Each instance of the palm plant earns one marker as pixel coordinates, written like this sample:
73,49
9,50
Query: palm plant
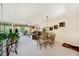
12,37
3,36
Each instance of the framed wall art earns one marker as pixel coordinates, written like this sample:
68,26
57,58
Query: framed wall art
62,24
55,26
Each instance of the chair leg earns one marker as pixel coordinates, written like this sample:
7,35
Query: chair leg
7,51
40,46
16,48
45,45
50,44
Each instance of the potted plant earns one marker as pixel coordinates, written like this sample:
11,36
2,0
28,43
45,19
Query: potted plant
1,38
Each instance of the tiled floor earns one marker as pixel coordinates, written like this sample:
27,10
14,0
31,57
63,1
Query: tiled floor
28,47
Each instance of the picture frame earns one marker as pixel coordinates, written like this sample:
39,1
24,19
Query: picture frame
50,28
62,24
55,26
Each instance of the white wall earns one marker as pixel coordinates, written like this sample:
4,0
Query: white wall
69,33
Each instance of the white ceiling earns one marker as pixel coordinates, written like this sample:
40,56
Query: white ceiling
36,13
